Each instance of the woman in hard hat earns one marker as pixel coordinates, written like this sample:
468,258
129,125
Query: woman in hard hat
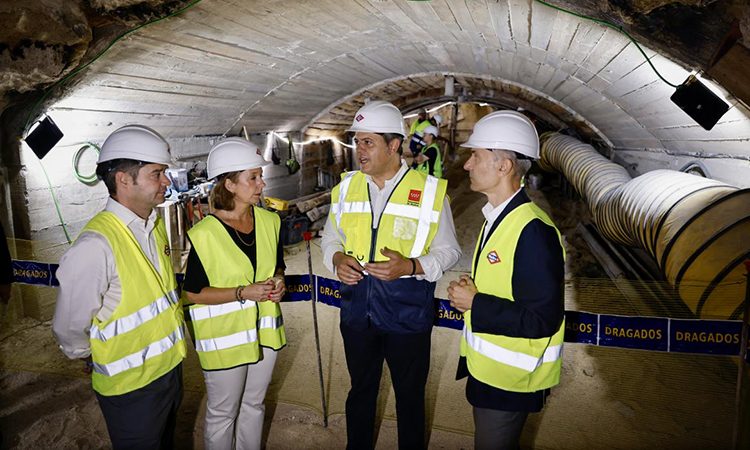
235,279
429,160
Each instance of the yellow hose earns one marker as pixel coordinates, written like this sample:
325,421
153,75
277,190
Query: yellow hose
696,229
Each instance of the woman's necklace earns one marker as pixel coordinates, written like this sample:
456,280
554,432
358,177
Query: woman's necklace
236,233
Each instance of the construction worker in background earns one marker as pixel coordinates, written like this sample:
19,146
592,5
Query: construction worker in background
416,132
513,303
430,161
389,238
118,307
235,280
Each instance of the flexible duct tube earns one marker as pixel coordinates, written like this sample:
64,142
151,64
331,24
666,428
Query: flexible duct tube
697,229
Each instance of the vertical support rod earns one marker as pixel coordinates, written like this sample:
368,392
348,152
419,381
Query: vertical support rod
314,300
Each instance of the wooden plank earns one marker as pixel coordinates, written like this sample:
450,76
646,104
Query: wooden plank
520,20
500,18
732,72
542,25
624,63
639,77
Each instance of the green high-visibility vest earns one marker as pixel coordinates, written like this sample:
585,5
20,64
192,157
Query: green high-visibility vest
144,338
509,363
437,167
230,334
409,221
418,126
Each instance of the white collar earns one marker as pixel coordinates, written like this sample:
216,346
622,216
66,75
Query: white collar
128,216
492,213
394,179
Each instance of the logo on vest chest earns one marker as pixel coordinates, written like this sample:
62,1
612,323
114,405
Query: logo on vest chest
167,251
415,196
493,257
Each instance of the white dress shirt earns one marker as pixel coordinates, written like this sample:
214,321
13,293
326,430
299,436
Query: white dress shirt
89,284
444,250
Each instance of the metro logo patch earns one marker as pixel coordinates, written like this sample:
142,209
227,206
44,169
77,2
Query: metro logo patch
359,118
493,257
415,196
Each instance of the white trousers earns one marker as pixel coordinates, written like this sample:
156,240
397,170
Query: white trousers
235,408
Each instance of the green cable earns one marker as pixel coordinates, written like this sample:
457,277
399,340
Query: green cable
57,205
85,179
67,77
614,27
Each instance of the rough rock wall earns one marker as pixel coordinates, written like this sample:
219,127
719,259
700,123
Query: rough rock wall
41,42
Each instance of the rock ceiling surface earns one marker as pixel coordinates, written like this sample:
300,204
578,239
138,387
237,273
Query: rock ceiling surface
290,65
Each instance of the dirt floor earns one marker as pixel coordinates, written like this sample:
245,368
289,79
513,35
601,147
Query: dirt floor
608,398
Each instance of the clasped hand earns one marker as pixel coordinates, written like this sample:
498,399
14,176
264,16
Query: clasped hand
461,293
349,271
272,289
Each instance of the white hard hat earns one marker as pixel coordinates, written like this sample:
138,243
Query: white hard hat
135,142
233,154
433,130
379,117
505,130
438,118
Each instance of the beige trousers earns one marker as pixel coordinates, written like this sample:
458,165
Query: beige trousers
235,408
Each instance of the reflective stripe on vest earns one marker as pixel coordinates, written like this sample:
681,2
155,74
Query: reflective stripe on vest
209,311
138,318
424,214
143,339
226,342
515,359
139,358
270,323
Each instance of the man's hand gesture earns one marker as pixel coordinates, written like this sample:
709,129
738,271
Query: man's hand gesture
396,266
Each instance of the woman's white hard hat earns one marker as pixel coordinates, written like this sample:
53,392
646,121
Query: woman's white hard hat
433,130
233,154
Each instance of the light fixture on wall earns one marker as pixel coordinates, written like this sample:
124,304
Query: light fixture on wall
699,102
43,137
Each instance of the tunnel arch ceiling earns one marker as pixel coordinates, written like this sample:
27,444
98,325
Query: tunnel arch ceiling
279,65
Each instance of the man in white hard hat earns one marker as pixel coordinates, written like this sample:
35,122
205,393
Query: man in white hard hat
513,303
416,131
389,238
117,307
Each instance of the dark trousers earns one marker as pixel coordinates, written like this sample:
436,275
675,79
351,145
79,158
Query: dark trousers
408,358
144,418
498,430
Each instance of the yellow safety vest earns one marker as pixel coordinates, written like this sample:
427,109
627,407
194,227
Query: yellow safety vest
144,338
509,363
230,334
417,127
437,167
409,221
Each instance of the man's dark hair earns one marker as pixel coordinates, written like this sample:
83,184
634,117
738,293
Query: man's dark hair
106,171
391,136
